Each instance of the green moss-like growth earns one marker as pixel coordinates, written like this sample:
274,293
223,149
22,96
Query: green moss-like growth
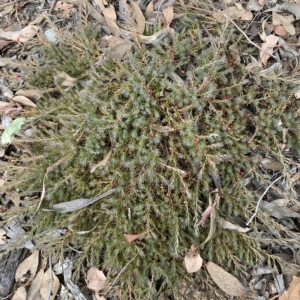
217,114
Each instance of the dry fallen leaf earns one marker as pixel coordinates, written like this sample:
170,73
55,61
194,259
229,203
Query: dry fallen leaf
132,237
234,51
271,164
95,279
168,14
284,21
33,94
22,36
65,7
20,294
193,260
224,280
293,292
111,17
50,280
279,30
118,46
139,18
68,80
267,48
160,128
24,100
34,290
28,265
295,177
227,225
2,237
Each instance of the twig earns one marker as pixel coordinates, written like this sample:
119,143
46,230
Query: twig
257,205
120,273
248,39
52,6
51,279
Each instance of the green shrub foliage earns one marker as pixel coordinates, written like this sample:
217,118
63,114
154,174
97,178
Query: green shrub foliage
214,118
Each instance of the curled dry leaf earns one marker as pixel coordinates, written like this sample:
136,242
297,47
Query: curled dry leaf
267,48
132,237
193,260
67,80
227,225
162,129
224,280
24,100
95,279
205,215
293,292
22,36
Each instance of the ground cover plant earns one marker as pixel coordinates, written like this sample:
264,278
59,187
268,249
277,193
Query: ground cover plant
162,130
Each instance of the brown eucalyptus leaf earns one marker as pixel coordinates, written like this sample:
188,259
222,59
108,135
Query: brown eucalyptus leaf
234,51
73,205
193,260
227,225
95,279
225,281
270,164
2,237
144,39
296,177
150,7
50,281
168,14
27,266
22,36
111,17
293,292
67,80
212,227
267,48
20,294
132,237
33,94
162,129
24,100
140,22
34,290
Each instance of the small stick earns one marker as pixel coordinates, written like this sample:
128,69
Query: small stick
121,273
52,6
248,39
256,210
